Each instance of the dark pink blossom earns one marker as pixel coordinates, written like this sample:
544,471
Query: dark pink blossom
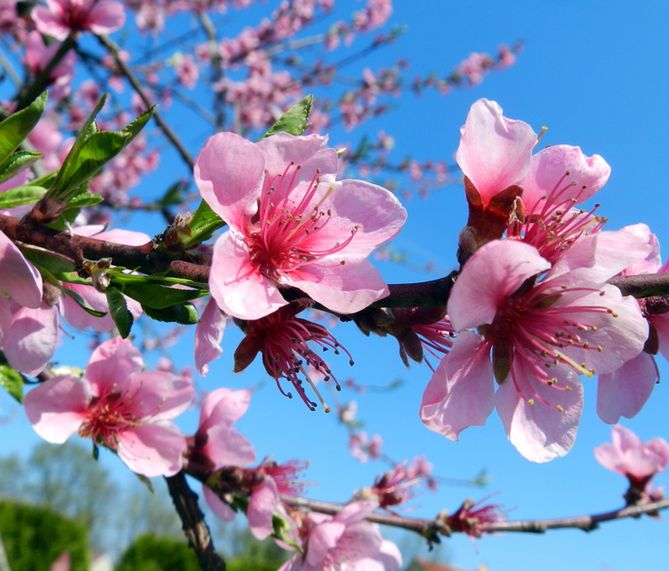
283,340
119,406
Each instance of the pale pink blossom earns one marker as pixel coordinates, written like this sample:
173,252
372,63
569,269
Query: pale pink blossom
344,541
536,333
218,446
623,392
119,406
59,18
636,460
292,224
495,151
97,300
28,324
208,336
37,57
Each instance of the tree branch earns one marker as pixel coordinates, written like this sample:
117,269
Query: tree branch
427,527
194,526
113,50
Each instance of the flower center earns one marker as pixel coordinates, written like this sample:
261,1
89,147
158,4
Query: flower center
287,231
108,416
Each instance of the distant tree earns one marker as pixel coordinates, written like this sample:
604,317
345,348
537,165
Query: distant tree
153,553
33,537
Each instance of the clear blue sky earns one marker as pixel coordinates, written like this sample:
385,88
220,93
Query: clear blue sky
596,74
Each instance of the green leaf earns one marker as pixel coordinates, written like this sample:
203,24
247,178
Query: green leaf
52,262
82,302
16,163
174,194
17,126
155,295
91,150
26,194
203,224
12,382
119,311
185,313
295,120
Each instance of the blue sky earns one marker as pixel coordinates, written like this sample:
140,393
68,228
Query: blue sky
595,74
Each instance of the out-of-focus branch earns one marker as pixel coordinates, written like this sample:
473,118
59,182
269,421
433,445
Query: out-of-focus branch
32,90
216,69
193,523
125,70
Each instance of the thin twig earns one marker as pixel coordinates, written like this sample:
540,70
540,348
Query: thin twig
423,526
113,50
193,523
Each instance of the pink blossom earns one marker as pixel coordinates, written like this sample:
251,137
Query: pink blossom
283,339
97,300
637,461
397,486
536,334
471,515
208,336
344,541
187,71
217,446
37,57
623,392
119,406
62,17
494,152
292,225
363,448
28,324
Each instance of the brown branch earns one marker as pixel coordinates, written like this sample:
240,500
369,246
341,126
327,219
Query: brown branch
427,527
149,259
194,526
113,50
145,258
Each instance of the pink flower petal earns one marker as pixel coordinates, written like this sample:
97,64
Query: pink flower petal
321,540
19,277
49,23
226,447
621,333
343,288
158,395
120,236
229,171
624,391
33,338
653,261
282,149
238,288
460,393
661,325
152,449
57,407
106,17
371,211
600,256
540,432
208,336
113,362
224,406
220,508
262,504
491,275
494,151
564,171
